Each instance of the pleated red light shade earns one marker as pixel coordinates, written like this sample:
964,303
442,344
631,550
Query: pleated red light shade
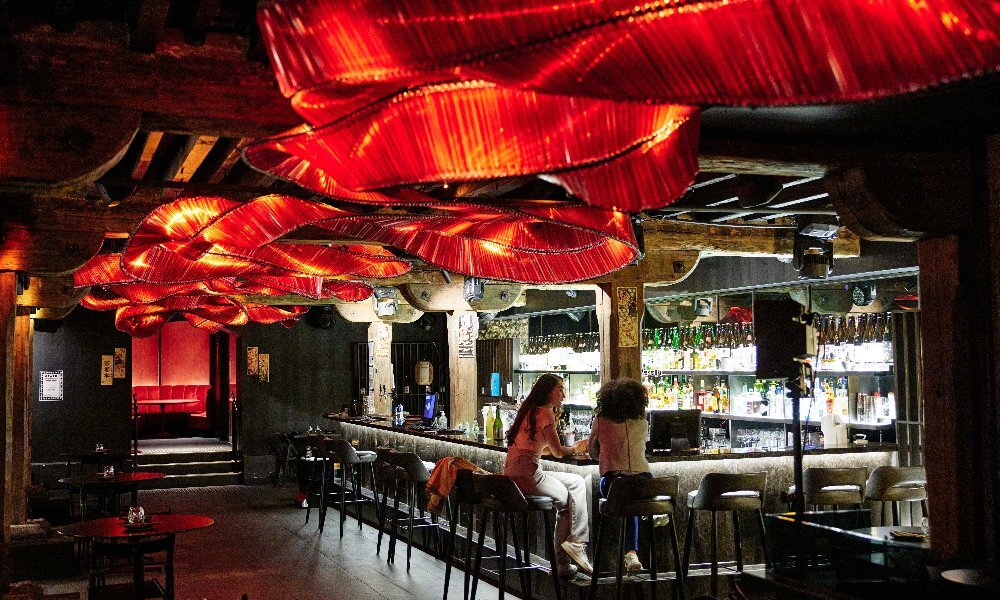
197,256
733,52
610,154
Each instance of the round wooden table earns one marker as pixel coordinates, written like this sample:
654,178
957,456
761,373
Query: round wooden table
109,485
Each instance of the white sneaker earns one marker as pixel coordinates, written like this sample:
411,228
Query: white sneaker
578,552
631,562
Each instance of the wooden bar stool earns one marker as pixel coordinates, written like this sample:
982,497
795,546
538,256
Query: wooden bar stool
501,497
895,485
726,492
646,498
462,494
314,462
352,465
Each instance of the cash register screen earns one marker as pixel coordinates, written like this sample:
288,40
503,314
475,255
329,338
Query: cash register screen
675,430
430,402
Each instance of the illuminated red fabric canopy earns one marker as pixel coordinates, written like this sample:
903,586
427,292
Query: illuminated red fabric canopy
734,52
610,154
195,256
582,91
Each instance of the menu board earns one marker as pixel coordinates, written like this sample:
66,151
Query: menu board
50,386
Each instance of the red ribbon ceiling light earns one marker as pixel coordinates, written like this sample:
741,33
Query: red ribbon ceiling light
195,255
396,93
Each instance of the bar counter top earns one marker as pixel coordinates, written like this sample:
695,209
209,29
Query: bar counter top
734,453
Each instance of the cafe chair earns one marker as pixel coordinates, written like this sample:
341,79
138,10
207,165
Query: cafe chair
726,492
501,498
894,485
107,558
644,498
352,465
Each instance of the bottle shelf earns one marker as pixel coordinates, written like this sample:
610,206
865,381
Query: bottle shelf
555,372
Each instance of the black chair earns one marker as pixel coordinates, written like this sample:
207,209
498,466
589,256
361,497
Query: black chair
313,462
352,462
411,477
501,497
108,557
645,498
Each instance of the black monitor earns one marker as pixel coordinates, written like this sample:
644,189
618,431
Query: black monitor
430,406
675,430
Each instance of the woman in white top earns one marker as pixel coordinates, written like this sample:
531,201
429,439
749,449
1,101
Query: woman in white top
618,441
532,435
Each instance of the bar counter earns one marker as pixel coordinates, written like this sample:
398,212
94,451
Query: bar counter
688,468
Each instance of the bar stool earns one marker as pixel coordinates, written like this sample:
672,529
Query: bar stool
895,485
833,486
462,494
729,492
641,497
411,477
384,479
501,497
314,462
352,464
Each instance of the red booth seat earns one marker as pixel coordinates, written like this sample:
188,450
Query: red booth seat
147,397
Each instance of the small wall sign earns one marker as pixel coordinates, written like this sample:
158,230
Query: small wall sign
251,360
107,369
50,386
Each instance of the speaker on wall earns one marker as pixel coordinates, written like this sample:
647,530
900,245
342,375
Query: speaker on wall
779,336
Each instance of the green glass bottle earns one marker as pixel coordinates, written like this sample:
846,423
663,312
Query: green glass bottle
497,426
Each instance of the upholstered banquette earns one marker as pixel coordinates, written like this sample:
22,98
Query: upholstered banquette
148,398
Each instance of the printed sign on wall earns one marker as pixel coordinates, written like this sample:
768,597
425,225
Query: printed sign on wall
119,363
107,369
50,386
628,317
467,328
251,360
264,367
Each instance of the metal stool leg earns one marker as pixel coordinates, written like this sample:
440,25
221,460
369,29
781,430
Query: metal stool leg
597,558
411,499
651,554
687,542
501,521
763,537
681,578
621,563
520,561
715,554
550,546
479,553
450,544
381,507
468,551
738,540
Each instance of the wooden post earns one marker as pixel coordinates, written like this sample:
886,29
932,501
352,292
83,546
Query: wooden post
21,422
463,328
8,309
380,336
960,305
620,308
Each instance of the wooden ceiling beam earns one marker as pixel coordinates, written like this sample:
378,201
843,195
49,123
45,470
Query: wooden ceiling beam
45,147
208,90
723,240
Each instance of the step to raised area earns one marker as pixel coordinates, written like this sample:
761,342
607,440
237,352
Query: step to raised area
189,462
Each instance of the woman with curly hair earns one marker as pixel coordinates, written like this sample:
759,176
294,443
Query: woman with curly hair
532,435
618,442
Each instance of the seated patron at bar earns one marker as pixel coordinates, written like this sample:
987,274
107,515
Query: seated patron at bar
533,435
618,442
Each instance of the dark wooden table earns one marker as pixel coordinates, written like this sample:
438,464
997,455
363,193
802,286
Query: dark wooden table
109,486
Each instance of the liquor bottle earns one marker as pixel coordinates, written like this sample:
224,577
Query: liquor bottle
497,426
716,399
724,407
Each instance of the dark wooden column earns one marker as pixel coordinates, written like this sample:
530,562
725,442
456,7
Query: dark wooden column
620,307
20,432
952,206
8,310
218,376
